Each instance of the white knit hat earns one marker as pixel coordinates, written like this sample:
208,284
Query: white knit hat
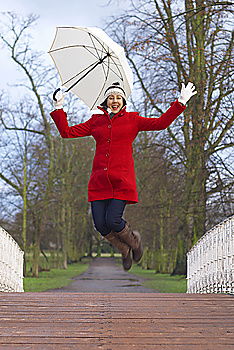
114,89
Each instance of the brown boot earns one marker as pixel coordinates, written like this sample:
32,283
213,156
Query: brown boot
123,248
133,240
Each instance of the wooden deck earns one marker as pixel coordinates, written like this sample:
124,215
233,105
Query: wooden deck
87,321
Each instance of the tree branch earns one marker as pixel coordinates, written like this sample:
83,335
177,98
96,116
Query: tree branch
143,85
12,184
18,128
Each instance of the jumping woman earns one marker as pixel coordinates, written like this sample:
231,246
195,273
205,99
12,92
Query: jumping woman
112,183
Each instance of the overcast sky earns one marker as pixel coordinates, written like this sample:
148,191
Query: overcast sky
55,13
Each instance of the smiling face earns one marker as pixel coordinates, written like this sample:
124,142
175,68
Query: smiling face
115,103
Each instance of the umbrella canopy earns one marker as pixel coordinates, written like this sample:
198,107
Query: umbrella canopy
88,62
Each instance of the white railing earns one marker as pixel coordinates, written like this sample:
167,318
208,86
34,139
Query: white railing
11,264
210,262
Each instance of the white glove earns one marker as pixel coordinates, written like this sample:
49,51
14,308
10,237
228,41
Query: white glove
186,93
58,99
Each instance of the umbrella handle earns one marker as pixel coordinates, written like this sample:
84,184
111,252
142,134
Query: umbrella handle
55,94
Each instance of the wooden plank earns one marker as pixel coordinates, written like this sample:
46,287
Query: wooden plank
176,340
116,321
120,332
110,347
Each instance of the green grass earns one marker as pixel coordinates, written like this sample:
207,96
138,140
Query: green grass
164,283
55,278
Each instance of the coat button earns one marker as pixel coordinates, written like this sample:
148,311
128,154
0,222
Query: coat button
107,155
109,126
108,140
105,168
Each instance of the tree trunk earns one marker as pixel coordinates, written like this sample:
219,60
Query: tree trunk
64,236
24,223
36,257
194,207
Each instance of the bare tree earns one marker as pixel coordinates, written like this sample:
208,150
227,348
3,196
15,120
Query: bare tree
18,164
168,43
52,209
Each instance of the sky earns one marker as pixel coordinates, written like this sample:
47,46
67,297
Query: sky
54,13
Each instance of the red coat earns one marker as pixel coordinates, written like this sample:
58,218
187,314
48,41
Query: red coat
113,174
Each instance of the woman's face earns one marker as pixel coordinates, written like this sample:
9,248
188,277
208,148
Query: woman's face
115,103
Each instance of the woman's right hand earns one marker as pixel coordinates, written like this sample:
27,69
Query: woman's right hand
58,99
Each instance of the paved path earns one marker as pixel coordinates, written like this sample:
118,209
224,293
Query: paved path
105,275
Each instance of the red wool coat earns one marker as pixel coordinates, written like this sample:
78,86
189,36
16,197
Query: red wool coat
113,174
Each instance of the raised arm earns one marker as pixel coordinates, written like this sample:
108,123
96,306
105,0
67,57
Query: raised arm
60,119
147,124
66,131
177,107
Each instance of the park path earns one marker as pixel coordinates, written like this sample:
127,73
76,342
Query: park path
105,275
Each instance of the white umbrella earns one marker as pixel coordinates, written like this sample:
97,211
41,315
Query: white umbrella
88,62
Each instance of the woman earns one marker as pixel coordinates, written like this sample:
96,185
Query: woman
112,184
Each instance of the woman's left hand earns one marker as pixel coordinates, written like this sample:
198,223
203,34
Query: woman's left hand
58,99
186,93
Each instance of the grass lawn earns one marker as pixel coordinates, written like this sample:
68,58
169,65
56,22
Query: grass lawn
55,278
164,283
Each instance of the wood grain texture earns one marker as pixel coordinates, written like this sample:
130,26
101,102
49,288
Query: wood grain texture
116,321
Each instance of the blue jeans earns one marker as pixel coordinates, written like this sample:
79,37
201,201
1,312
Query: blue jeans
107,215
